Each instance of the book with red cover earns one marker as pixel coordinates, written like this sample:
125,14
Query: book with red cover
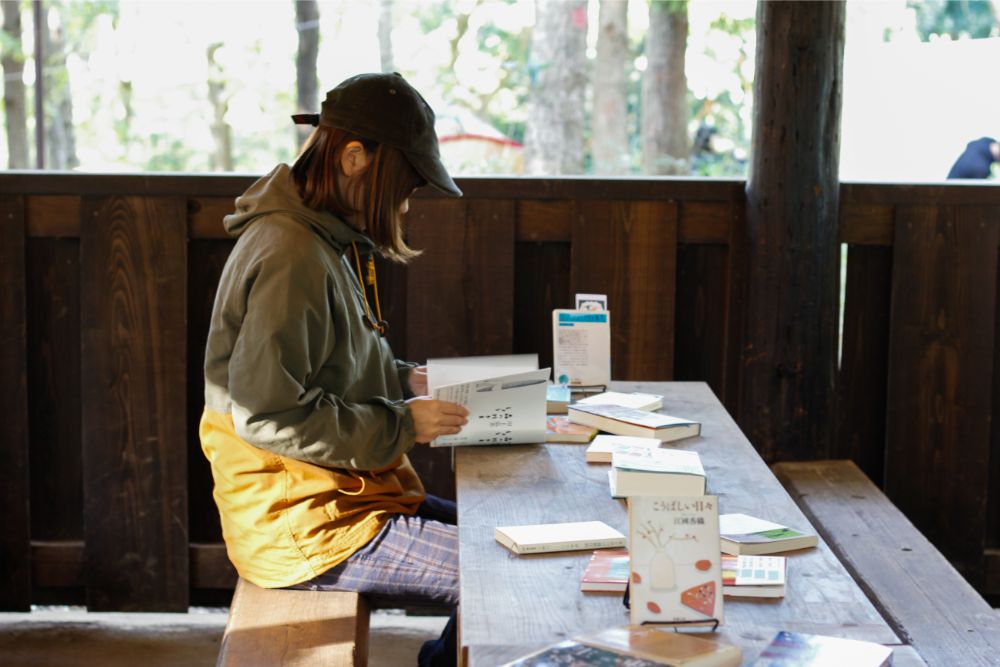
607,571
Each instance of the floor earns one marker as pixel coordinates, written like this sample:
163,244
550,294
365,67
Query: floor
71,636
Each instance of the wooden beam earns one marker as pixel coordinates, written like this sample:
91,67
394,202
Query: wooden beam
134,296
15,553
792,226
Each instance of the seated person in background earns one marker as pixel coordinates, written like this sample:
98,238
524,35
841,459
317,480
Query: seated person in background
977,159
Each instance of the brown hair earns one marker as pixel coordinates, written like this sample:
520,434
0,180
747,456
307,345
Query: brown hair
388,182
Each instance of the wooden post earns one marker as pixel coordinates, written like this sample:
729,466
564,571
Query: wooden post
789,354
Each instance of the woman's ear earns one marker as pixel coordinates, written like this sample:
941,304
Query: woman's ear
354,159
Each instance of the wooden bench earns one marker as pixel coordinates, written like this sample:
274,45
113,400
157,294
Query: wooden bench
291,628
925,600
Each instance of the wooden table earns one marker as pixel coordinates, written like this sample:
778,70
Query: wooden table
511,605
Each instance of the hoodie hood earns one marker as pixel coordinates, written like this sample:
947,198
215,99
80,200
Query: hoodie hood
275,193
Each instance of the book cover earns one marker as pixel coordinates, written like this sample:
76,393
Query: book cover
558,428
509,409
634,400
745,534
569,536
607,571
581,347
628,421
638,471
557,399
794,649
602,446
635,646
753,576
676,576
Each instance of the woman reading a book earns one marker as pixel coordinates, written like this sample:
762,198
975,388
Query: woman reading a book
308,415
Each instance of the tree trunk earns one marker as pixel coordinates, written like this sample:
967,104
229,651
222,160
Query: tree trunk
665,145
553,142
385,35
306,81
610,119
222,157
14,97
60,142
793,191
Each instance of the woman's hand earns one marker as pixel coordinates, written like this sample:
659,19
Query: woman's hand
418,380
433,418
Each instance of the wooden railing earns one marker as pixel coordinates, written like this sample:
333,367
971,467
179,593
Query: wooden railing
108,283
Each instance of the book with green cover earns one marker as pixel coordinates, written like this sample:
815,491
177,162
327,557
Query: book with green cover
745,534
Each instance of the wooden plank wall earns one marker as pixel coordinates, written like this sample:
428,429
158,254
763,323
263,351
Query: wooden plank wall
115,277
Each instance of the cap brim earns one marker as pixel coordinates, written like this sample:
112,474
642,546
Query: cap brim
434,173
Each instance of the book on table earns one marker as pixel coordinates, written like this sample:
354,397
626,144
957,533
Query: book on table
753,576
607,571
635,646
629,421
506,403
581,348
675,575
795,649
557,399
602,446
558,428
635,400
568,536
745,534
643,471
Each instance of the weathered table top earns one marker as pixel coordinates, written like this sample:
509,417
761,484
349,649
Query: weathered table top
511,605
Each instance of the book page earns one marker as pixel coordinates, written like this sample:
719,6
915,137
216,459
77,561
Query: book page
504,410
452,370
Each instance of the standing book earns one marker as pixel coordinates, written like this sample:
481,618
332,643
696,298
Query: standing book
570,536
635,646
628,421
607,571
641,471
603,446
676,576
745,534
794,649
581,347
753,576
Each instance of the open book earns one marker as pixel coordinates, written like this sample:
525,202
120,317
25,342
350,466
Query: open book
505,400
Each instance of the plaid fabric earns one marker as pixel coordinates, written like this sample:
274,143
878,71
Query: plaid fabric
412,561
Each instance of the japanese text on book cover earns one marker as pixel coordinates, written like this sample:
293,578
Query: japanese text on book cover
675,562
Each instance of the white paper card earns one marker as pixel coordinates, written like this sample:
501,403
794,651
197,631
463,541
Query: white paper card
591,301
581,342
504,410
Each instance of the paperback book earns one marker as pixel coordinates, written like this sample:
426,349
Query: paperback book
642,471
676,576
607,571
635,646
558,428
570,536
634,400
557,399
603,446
581,347
745,534
753,576
794,649
628,421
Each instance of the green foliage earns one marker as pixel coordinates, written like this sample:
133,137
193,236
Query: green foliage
955,18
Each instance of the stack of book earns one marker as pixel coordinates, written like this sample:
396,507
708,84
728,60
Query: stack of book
629,421
644,471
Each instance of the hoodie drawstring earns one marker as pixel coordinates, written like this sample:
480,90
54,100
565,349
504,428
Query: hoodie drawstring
370,278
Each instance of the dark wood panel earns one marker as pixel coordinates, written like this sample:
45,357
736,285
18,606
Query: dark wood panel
134,292
54,387
704,222
53,216
541,284
206,257
864,362
700,320
205,216
866,224
545,221
15,551
628,250
461,291
939,393
982,193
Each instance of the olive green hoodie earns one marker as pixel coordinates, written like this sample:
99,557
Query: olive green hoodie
304,423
